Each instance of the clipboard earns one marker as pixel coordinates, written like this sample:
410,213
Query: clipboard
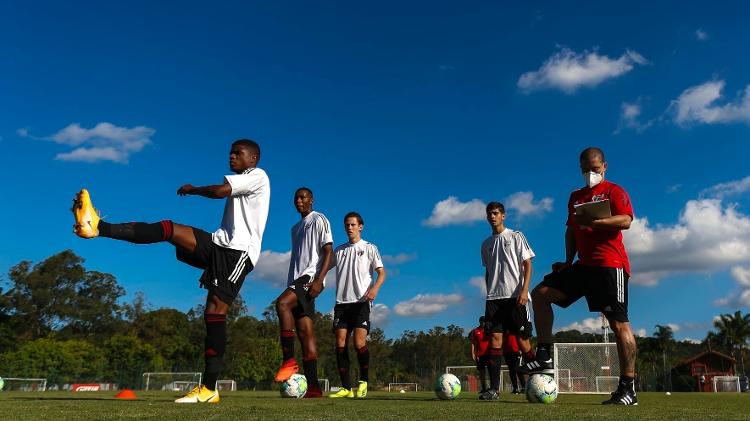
596,210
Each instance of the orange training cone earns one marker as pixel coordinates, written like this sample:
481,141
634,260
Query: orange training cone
126,394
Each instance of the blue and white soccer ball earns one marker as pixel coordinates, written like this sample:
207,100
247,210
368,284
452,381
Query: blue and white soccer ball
294,387
447,386
541,388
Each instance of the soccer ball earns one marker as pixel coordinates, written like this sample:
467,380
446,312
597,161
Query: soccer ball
447,386
294,387
2,383
541,388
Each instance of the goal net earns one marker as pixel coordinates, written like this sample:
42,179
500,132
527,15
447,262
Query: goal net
406,387
182,382
325,385
468,375
586,367
19,384
726,384
226,385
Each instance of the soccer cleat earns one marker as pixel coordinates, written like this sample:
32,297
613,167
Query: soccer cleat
489,395
515,392
287,369
200,394
362,389
537,365
622,396
313,392
342,393
87,218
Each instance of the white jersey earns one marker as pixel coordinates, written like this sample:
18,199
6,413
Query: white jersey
355,264
245,213
503,255
309,235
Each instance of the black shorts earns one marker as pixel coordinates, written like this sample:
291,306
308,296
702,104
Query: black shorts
224,269
504,315
605,289
352,316
305,304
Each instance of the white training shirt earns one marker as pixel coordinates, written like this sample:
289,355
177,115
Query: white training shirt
503,255
309,235
245,213
355,263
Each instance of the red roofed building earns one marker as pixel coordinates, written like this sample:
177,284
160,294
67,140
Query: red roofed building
704,367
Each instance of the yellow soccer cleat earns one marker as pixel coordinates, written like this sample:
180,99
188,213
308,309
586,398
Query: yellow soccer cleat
342,393
362,389
200,394
87,218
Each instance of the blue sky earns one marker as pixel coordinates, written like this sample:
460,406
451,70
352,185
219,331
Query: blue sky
415,114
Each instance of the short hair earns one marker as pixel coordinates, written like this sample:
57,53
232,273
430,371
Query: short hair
307,189
495,205
591,152
248,144
354,215
481,319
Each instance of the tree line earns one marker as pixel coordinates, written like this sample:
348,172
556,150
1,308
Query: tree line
67,324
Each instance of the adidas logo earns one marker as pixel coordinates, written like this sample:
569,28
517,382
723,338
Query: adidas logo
364,323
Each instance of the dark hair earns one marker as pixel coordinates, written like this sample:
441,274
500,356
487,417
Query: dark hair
481,319
304,189
354,215
591,152
495,205
248,144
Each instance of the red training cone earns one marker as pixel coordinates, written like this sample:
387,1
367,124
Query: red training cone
126,394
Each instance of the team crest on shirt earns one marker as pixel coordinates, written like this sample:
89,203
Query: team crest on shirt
598,197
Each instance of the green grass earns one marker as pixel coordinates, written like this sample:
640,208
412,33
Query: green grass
377,406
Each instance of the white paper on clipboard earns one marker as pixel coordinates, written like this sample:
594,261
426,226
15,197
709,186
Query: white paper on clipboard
597,210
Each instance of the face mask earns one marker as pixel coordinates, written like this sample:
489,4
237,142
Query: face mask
592,178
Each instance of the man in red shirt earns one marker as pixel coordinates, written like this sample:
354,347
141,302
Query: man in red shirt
601,273
512,355
480,343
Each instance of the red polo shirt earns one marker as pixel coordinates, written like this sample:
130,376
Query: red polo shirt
480,340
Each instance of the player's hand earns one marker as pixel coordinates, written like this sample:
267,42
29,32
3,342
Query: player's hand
560,266
523,299
371,294
314,288
185,190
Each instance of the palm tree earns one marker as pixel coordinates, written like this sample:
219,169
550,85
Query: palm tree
734,331
665,341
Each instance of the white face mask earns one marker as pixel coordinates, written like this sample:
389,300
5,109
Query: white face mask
592,178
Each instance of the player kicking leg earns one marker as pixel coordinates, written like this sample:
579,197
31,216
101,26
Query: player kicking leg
226,256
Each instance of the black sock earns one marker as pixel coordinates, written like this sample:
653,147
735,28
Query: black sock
543,351
215,345
493,364
310,365
138,232
627,382
363,356
342,361
287,344
512,360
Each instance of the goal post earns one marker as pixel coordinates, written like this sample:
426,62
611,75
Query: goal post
325,385
226,385
469,377
22,384
726,384
173,381
406,387
586,367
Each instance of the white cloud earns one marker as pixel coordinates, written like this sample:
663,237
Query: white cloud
272,267
480,284
103,142
451,211
588,325
708,236
567,70
630,117
522,204
697,104
730,188
641,333
741,296
674,326
701,35
379,314
427,304
399,258
691,340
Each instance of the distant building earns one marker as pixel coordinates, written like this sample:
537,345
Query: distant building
697,374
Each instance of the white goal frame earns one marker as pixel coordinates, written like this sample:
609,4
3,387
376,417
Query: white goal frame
577,376
726,379
147,377
607,389
504,373
325,385
222,385
393,386
42,383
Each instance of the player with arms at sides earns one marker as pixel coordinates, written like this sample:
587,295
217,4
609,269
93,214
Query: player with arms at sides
356,261
226,256
506,256
311,258
480,343
601,273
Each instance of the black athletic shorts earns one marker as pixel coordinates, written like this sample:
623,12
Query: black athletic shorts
504,315
605,289
224,269
352,316
305,304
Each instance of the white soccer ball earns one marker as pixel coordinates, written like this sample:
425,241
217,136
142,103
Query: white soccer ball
402,391
447,386
541,388
294,387
2,383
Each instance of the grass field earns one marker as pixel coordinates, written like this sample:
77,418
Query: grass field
377,406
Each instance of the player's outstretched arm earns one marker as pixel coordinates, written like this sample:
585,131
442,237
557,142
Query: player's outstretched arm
372,292
218,191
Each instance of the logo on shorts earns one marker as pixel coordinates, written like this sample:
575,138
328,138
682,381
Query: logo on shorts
364,323
216,282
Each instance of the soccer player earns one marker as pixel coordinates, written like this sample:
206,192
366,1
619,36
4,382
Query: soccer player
355,261
310,261
226,256
506,256
512,356
480,343
601,273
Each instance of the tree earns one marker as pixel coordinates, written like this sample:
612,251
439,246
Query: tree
733,331
665,341
128,358
58,361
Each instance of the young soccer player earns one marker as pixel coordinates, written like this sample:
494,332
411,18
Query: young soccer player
226,256
506,256
355,261
480,343
310,261
512,356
